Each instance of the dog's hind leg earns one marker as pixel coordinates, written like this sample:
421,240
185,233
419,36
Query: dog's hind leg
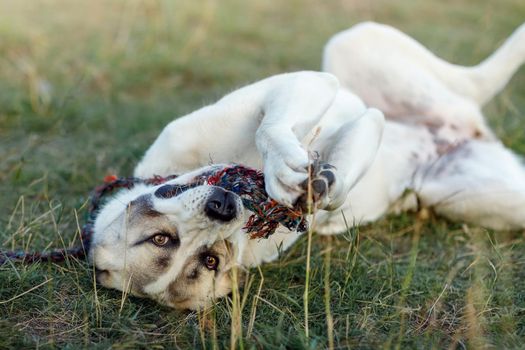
477,182
393,72
376,49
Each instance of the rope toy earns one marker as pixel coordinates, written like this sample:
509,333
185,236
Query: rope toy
246,182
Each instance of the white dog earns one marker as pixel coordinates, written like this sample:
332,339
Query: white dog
435,150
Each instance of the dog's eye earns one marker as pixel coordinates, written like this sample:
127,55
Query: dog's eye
160,239
211,262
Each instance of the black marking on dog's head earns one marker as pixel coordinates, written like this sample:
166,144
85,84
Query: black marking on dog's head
143,205
194,275
169,191
163,262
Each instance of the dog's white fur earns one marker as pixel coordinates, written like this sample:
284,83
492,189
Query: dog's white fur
435,150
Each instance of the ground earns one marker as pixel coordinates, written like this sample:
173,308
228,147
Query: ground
85,87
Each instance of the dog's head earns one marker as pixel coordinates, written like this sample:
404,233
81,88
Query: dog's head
172,247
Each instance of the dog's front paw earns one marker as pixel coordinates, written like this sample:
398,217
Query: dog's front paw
321,189
284,178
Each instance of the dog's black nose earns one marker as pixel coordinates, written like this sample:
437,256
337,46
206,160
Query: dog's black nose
221,205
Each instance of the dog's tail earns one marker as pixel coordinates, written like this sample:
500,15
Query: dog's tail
490,76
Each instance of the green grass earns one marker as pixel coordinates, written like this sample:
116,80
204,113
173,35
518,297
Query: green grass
85,87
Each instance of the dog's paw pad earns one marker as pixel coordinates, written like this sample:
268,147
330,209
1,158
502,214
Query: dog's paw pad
317,187
329,176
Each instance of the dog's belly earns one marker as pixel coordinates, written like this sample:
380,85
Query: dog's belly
404,150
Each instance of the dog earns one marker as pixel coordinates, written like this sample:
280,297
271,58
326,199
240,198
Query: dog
433,150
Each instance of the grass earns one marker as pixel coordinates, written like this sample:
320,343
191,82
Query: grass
85,87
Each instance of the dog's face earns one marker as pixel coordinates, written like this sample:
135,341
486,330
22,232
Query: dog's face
172,248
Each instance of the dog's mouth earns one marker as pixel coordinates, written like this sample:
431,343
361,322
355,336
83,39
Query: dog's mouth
101,276
247,187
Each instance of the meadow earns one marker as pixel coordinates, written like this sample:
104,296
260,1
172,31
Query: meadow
86,86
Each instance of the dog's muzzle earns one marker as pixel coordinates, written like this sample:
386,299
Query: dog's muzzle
221,205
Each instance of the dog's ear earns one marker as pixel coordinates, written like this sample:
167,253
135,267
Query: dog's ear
169,191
